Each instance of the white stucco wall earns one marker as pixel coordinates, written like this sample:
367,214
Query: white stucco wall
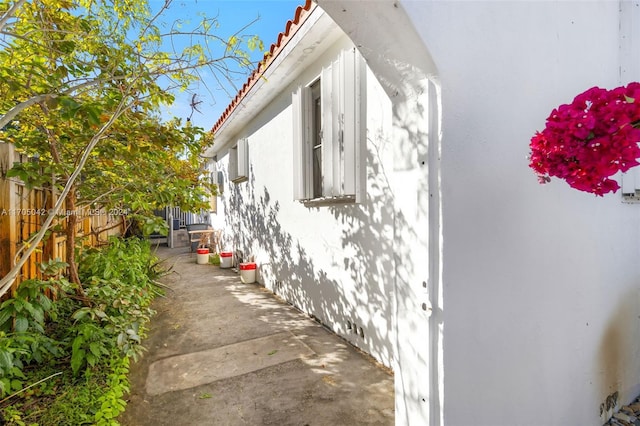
333,261
538,319
541,283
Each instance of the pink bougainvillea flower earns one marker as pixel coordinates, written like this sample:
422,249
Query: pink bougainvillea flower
589,140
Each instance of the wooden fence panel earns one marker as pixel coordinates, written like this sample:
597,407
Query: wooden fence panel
22,213
8,227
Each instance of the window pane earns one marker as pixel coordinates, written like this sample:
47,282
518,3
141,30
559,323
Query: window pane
316,142
317,171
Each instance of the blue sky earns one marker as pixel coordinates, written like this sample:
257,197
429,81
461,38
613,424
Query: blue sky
232,16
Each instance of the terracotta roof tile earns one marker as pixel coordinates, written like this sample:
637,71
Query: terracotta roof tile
292,26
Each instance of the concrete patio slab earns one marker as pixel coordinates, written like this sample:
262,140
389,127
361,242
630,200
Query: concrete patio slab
198,368
220,352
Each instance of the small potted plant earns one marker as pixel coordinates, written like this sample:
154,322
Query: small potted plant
202,252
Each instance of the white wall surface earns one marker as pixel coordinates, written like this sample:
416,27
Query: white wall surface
403,66
333,261
541,312
541,283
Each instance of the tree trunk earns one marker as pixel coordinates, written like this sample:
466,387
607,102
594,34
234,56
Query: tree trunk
72,221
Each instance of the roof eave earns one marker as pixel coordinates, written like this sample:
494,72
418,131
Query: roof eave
279,57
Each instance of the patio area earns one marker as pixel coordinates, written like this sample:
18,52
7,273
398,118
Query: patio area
221,352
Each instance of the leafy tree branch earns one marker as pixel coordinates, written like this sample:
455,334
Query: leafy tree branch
81,84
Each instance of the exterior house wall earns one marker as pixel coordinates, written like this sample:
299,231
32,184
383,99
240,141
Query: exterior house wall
534,289
541,283
332,261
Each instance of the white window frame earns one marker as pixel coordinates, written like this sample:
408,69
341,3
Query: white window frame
239,161
343,104
630,185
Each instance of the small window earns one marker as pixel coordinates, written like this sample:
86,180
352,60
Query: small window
329,133
220,181
316,139
239,162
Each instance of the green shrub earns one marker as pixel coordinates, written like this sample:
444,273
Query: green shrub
119,281
112,401
86,344
22,334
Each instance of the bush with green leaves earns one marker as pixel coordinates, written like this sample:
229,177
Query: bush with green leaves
86,342
119,280
23,339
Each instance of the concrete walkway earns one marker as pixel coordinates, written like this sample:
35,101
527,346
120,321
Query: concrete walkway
221,352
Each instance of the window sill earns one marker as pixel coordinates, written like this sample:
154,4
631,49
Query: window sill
329,201
239,179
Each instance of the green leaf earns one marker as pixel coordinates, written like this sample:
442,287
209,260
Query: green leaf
91,360
80,313
21,324
6,360
45,302
16,372
95,348
93,115
5,315
68,103
19,173
16,385
77,360
77,343
18,305
36,312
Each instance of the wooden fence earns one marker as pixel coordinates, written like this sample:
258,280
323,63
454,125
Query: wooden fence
22,213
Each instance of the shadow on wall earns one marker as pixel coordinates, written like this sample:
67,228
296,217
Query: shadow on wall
619,355
361,309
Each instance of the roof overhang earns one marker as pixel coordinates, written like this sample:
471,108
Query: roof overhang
297,47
